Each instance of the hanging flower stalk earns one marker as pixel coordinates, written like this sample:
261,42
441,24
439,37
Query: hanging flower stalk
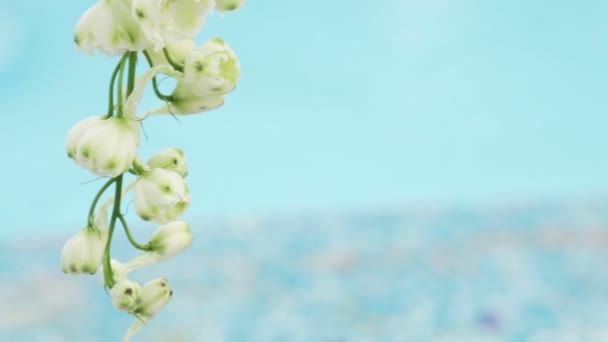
106,145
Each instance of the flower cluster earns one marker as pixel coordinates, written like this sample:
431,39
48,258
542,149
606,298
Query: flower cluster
163,31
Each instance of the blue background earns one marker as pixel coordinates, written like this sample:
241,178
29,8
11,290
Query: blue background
398,170
341,107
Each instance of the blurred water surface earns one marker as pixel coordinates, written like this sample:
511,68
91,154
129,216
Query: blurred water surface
518,273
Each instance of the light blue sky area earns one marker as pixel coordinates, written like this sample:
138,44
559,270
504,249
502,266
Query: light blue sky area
342,106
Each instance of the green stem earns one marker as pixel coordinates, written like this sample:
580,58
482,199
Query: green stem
131,76
161,96
108,275
91,217
112,82
173,63
120,77
135,244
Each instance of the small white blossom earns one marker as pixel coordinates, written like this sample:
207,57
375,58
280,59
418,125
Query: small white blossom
228,5
161,196
212,68
172,159
82,253
168,241
103,146
164,21
109,27
126,295
154,297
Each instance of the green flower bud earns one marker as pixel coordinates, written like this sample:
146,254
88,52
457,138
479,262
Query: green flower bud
82,253
171,159
126,295
228,5
170,20
161,196
105,147
109,27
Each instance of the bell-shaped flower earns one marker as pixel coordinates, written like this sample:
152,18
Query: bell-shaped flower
103,146
82,253
212,69
228,5
109,27
161,196
163,21
154,297
168,241
172,159
126,295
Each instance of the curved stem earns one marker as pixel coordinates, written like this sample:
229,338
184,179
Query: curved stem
161,96
131,76
91,217
108,275
173,63
135,244
111,92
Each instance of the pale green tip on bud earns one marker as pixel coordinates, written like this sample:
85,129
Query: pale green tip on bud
228,5
161,196
82,253
126,295
171,159
105,147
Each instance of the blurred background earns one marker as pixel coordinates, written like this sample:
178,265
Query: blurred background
401,170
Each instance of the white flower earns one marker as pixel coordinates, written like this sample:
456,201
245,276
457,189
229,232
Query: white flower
185,101
168,241
212,69
126,295
109,27
105,147
228,5
171,159
161,196
82,253
154,296
163,21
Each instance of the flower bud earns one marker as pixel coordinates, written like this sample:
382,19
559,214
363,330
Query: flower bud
82,253
228,5
169,20
103,146
109,27
126,295
168,241
154,296
185,102
161,196
171,159
212,69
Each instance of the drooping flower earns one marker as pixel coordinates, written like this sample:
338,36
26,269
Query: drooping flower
104,146
172,159
228,5
161,196
126,295
163,21
109,27
168,241
82,253
212,68
154,297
